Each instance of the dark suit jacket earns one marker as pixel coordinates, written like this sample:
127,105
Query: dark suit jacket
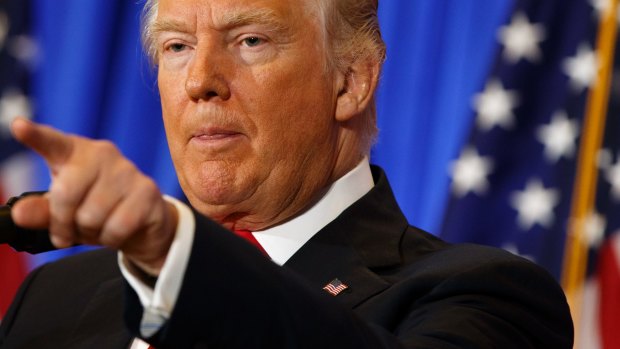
407,289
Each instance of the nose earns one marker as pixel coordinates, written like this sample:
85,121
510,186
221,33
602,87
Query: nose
206,79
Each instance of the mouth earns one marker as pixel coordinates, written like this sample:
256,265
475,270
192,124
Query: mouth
215,137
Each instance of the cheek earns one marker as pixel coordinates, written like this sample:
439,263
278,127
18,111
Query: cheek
291,99
172,110
173,97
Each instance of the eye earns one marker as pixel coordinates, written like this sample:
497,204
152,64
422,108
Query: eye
176,47
252,41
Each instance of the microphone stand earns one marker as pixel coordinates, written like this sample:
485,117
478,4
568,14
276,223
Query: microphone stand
22,240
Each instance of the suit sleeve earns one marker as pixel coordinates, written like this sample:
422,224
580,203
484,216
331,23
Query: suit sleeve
232,297
9,318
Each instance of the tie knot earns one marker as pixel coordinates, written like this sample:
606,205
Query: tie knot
243,233
249,237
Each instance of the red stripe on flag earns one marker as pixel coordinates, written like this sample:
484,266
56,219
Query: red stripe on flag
609,285
12,272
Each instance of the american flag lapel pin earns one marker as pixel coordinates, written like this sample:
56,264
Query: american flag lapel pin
335,286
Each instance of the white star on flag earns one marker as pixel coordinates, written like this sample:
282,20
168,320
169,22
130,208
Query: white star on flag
604,159
469,173
494,106
594,229
600,7
582,69
612,174
535,205
4,28
521,39
25,49
13,104
559,137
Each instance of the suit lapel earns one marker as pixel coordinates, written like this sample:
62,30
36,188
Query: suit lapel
101,325
347,248
321,261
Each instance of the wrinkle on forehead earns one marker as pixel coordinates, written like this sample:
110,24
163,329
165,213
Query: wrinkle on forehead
261,16
236,13
231,19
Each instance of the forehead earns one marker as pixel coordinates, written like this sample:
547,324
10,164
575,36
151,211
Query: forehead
222,13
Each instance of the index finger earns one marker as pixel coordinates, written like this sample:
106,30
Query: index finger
54,146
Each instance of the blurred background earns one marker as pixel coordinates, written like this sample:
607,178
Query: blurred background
499,124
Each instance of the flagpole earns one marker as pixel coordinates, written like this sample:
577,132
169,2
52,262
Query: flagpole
584,192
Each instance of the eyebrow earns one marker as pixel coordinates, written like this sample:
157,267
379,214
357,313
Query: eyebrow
261,16
168,26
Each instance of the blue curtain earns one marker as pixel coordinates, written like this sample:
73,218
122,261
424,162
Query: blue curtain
439,55
93,80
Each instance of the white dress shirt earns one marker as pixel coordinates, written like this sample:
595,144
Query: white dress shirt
280,242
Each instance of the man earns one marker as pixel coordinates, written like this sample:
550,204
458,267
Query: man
269,112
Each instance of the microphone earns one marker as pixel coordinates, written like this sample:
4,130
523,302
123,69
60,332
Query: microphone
22,240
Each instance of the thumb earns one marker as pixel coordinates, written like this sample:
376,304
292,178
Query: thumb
31,212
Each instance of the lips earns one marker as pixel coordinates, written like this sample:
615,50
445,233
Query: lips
215,134
215,137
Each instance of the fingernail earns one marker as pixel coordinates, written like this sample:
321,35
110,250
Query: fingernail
60,242
15,124
20,119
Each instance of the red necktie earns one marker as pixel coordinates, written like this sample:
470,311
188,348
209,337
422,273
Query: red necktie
247,235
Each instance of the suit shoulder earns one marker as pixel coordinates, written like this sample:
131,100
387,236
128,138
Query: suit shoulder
517,300
99,263
479,257
429,248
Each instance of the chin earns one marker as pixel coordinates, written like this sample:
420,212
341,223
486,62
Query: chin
215,196
218,188
214,193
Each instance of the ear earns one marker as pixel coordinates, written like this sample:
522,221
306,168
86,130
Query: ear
356,88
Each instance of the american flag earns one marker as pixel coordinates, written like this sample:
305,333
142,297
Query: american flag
335,286
16,60
528,174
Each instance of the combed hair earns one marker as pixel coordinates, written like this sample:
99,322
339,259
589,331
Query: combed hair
352,33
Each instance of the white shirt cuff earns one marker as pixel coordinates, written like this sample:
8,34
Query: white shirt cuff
158,303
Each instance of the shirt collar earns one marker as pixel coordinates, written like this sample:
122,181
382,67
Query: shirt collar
282,241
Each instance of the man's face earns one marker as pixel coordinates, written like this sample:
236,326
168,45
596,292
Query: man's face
248,106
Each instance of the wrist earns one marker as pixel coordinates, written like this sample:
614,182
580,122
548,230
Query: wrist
142,272
151,261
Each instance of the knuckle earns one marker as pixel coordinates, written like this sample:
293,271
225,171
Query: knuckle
65,192
113,235
88,218
127,168
60,190
61,232
104,151
105,147
123,172
149,188
118,229
61,217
